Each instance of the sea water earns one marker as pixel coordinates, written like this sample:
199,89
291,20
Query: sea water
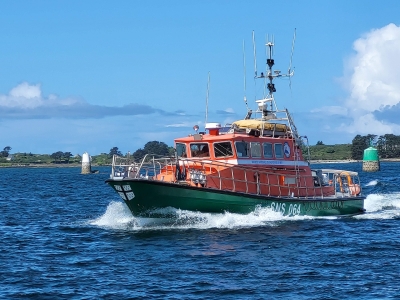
65,235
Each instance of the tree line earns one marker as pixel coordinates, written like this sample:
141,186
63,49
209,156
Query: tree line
153,147
60,156
388,145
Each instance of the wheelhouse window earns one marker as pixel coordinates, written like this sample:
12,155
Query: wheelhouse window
278,150
199,150
255,149
267,150
242,149
181,150
222,149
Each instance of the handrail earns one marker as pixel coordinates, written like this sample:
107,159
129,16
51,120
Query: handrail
141,164
212,170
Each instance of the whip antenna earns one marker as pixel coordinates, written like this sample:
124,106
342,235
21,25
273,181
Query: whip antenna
208,89
244,75
255,59
290,72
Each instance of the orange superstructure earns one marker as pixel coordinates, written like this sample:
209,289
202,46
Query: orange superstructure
245,162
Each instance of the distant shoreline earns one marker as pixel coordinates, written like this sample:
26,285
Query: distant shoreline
75,165
49,166
320,161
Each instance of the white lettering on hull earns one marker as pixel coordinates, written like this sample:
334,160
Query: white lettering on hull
295,209
125,192
291,210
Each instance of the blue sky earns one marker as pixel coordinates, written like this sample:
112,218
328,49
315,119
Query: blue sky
90,75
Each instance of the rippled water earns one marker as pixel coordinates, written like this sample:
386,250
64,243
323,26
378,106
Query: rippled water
68,236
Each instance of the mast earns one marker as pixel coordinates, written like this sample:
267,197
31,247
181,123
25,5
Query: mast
267,105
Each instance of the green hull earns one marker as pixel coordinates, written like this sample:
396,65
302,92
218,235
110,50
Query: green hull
145,197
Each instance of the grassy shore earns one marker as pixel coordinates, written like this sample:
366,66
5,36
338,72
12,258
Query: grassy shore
339,161
350,161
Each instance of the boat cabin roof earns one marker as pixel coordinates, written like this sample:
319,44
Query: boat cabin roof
339,172
231,137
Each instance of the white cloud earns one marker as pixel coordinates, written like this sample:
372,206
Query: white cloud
372,79
26,98
376,70
367,124
23,96
25,90
25,101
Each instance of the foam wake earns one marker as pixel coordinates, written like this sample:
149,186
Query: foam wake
118,216
372,183
382,206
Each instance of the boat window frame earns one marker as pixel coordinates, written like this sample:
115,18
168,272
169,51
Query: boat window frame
183,152
282,152
272,150
216,152
260,149
247,149
200,152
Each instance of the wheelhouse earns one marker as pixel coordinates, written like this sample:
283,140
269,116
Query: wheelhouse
240,147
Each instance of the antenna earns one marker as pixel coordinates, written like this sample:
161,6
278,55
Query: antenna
273,42
244,74
208,89
291,58
255,59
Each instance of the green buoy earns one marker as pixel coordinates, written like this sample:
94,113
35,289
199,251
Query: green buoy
371,160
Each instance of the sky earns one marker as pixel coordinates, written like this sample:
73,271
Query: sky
88,76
